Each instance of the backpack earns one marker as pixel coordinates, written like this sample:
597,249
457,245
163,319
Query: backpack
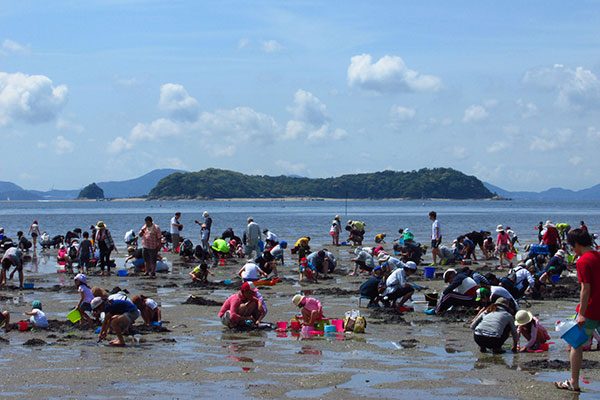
72,252
512,275
187,247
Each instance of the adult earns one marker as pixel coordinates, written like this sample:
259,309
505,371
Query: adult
176,228
363,260
468,249
563,229
551,238
397,289
302,247
22,242
519,279
267,263
34,232
461,291
251,237
129,238
487,295
241,309
219,249
503,244
493,327
271,239
322,261
436,237
250,272
583,227
151,244
12,257
335,230
277,251
556,265
588,272
311,309
118,315
104,242
208,222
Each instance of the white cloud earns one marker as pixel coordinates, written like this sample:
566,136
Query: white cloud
528,110
288,166
63,146
271,46
497,146
548,141
475,113
63,124
29,98
577,88
119,145
388,75
154,131
490,103
243,42
12,47
177,103
238,124
41,145
459,153
128,82
593,133
310,119
399,113
575,160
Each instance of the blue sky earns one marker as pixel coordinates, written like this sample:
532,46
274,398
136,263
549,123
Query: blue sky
109,90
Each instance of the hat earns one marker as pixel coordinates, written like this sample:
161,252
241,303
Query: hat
549,223
96,302
81,278
528,263
35,222
377,268
449,271
297,300
303,260
560,253
499,228
411,265
349,222
205,214
250,219
283,243
131,249
523,317
482,292
100,225
251,285
336,217
504,302
246,286
36,304
383,258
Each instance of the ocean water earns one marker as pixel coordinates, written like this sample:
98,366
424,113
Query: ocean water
293,219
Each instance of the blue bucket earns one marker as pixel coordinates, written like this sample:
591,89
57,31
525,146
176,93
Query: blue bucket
575,336
28,286
429,272
330,328
122,272
555,278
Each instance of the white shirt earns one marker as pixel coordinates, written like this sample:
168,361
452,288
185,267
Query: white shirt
435,225
129,236
250,271
39,319
502,292
174,228
272,237
151,304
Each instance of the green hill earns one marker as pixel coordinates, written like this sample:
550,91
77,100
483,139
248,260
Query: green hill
438,183
91,191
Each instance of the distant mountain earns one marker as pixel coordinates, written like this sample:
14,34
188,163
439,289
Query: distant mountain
438,183
553,194
114,189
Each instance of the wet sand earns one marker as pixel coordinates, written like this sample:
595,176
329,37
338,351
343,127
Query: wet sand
194,356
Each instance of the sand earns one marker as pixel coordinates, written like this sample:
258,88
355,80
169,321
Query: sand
194,356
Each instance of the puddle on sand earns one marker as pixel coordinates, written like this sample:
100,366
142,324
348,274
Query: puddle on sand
590,390
181,390
308,393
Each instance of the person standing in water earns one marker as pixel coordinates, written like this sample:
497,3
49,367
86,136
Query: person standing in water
34,232
436,238
151,243
176,227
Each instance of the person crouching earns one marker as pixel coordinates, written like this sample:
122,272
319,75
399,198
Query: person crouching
241,309
118,315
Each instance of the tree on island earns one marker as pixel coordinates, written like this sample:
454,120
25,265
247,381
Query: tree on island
92,191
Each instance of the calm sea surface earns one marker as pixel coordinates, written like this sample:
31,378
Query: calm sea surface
293,219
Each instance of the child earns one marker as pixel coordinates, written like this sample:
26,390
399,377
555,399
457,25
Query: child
38,317
149,309
63,256
530,328
200,273
84,254
312,310
86,298
307,269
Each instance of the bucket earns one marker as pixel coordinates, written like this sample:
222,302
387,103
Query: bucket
281,325
571,258
555,278
227,281
330,329
74,315
320,325
575,336
420,306
222,262
466,261
28,285
295,325
339,324
510,255
429,272
22,326
432,298
122,272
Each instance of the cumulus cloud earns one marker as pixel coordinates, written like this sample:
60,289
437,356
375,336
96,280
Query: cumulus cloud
63,124
475,113
12,47
63,146
310,119
119,145
288,166
29,98
497,146
243,42
388,75
550,140
577,88
271,46
399,113
177,103
575,160
240,123
156,130
528,110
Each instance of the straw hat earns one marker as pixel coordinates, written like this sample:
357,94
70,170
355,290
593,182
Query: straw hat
100,225
499,228
549,224
560,253
383,258
297,300
523,317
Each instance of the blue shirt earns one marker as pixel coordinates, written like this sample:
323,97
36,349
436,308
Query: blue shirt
118,307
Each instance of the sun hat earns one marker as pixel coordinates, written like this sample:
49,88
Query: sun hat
81,278
560,253
205,214
349,222
96,302
99,292
336,217
448,272
549,224
523,317
131,249
383,258
499,228
100,225
481,293
528,263
36,304
411,265
504,302
297,300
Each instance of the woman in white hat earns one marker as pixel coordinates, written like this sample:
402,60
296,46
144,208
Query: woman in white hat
551,238
531,329
503,244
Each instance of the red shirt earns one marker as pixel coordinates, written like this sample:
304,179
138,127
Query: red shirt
588,271
151,237
551,237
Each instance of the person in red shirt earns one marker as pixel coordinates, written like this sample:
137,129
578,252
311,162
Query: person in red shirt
583,227
588,272
151,243
240,308
551,237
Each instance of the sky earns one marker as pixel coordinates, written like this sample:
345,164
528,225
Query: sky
110,90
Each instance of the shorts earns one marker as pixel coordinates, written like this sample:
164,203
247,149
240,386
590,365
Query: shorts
34,235
150,255
132,315
435,243
85,307
334,234
590,326
503,248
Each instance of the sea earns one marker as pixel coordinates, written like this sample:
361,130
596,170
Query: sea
290,220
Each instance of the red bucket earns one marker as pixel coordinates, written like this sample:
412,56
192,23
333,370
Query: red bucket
22,326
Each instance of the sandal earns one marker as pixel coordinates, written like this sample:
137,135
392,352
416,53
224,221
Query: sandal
116,343
566,385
